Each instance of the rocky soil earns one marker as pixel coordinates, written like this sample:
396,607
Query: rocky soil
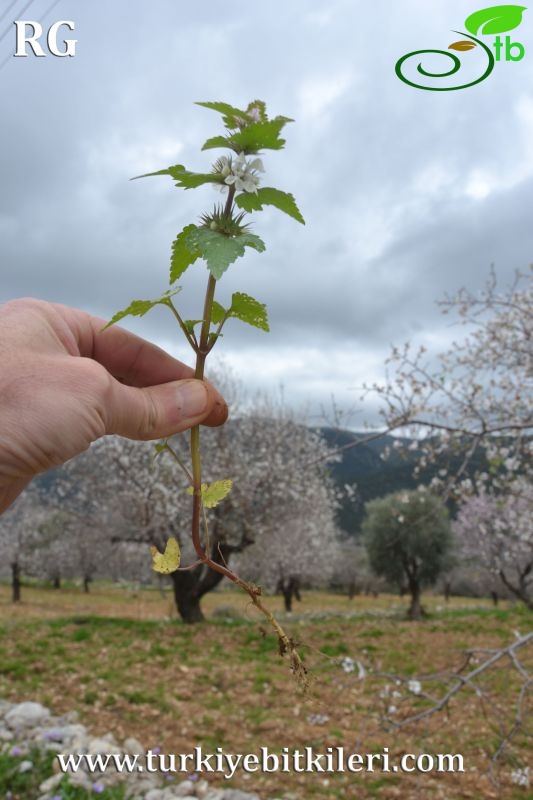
27,726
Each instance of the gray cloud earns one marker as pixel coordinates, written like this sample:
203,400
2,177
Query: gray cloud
407,194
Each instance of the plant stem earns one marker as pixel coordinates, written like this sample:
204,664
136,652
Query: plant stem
201,355
190,337
286,644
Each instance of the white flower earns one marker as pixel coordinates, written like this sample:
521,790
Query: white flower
243,174
414,686
520,776
317,719
392,710
348,664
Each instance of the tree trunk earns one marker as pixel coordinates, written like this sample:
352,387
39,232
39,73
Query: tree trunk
87,584
187,598
289,588
56,583
15,581
415,609
190,586
522,591
287,599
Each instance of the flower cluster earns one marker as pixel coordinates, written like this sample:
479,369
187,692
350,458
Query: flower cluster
239,172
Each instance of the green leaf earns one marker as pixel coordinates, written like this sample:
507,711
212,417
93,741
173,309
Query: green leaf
190,180
216,141
219,250
496,19
249,310
213,493
218,313
190,324
183,255
138,308
252,138
184,178
272,197
232,116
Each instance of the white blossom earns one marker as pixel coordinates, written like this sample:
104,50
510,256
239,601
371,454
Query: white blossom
243,174
520,776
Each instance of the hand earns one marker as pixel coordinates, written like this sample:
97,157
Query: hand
63,384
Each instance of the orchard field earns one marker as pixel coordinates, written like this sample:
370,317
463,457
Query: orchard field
122,660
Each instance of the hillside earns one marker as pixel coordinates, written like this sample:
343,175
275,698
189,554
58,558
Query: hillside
375,476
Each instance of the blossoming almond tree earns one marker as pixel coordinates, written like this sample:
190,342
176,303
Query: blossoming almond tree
469,409
498,530
281,510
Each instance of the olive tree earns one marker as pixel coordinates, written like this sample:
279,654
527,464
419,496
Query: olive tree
408,539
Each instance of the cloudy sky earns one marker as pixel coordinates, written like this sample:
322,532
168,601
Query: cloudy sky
407,194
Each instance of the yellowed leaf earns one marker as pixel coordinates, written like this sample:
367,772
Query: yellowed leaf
213,493
169,561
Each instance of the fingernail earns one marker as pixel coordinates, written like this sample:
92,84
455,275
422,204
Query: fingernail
192,398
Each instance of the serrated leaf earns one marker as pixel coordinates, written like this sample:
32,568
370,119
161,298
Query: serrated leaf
496,19
464,44
216,492
215,141
166,562
182,255
250,201
231,115
252,138
190,324
190,180
219,250
213,493
138,308
183,177
249,310
218,313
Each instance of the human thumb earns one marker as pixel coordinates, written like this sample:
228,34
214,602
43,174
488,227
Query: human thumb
157,411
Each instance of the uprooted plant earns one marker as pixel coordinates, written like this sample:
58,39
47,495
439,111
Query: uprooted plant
221,237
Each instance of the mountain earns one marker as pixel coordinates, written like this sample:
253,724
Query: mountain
362,463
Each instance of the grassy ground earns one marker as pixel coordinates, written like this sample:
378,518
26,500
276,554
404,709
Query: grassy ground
128,666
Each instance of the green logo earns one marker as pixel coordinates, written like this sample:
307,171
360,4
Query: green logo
486,22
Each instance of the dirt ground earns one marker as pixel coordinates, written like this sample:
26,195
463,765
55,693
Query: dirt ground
123,661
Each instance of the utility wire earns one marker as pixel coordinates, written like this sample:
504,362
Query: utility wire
8,9
48,11
22,11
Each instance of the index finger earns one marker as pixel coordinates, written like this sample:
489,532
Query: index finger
131,359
